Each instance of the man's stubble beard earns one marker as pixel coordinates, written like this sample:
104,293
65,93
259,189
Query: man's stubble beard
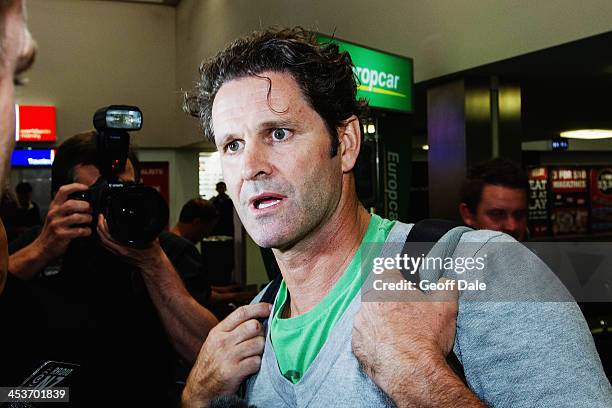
300,218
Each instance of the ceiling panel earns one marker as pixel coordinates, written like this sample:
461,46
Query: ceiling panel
161,2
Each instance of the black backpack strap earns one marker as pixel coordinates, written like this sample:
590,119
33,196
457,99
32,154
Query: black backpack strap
269,296
271,290
430,231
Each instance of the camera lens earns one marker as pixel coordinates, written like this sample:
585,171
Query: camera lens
136,214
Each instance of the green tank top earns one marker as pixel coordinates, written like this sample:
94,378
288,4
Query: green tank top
298,340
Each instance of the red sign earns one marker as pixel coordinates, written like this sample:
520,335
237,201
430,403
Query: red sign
35,123
156,175
538,202
601,199
569,180
569,200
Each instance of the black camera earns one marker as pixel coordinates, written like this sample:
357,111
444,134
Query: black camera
135,214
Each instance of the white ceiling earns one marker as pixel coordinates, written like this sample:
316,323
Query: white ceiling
163,2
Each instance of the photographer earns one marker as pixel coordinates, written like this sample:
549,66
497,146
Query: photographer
109,306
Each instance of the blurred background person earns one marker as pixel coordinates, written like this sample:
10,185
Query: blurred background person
197,220
494,196
8,211
27,213
225,208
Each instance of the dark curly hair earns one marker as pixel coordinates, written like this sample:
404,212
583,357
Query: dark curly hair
498,172
324,74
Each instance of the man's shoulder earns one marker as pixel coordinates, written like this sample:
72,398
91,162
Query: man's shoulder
486,236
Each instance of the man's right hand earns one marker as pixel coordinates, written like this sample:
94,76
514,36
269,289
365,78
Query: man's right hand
67,219
232,351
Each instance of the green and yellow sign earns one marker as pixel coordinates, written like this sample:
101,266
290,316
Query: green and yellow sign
384,79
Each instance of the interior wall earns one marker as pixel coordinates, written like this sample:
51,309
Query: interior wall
183,179
93,53
443,36
255,269
97,53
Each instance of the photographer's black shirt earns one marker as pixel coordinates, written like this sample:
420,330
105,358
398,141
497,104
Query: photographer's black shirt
94,310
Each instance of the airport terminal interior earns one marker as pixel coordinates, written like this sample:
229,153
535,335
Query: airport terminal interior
450,84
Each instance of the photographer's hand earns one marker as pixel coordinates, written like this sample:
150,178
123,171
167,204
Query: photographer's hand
403,345
66,220
147,259
185,320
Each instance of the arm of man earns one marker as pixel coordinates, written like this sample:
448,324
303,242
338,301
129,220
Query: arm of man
185,320
3,257
65,221
524,339
402,346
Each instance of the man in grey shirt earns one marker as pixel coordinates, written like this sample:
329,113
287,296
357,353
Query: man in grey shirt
283,113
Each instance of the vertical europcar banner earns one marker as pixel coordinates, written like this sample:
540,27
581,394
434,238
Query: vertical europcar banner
601,199
396,166
384,79
396,181
538,202
570,212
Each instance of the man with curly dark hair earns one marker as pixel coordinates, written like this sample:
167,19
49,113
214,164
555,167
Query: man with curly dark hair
283,113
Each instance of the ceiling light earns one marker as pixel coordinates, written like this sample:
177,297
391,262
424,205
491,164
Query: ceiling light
425,147
588,134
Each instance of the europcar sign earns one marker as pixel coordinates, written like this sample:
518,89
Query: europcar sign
384,79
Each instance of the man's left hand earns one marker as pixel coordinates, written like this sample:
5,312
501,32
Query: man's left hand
398,344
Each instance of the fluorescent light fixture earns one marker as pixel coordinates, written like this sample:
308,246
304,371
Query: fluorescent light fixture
587,134
425,147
